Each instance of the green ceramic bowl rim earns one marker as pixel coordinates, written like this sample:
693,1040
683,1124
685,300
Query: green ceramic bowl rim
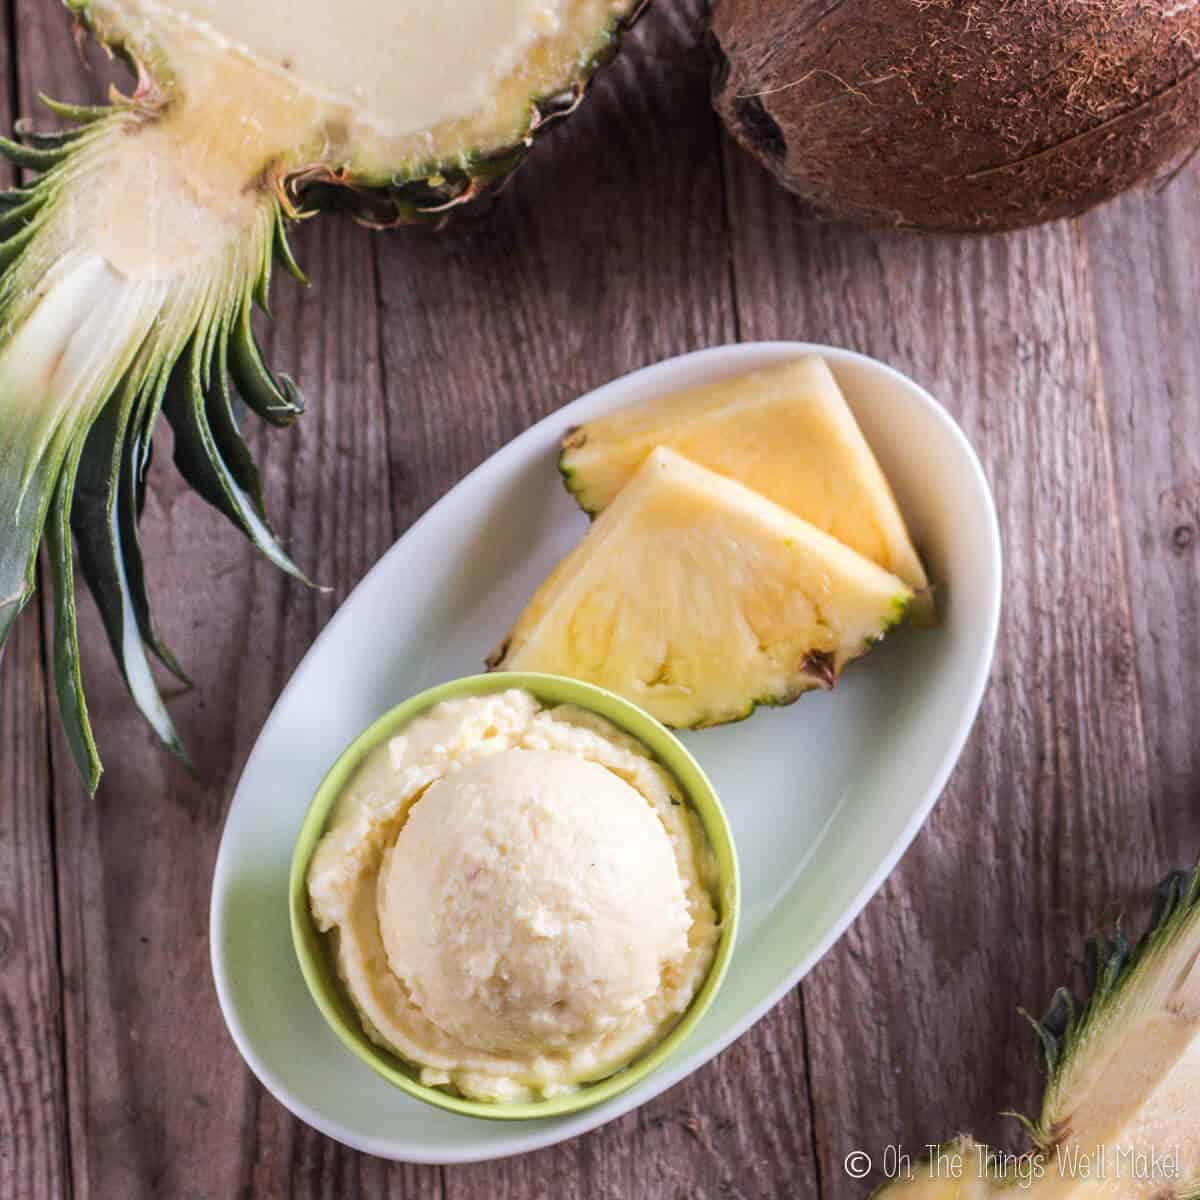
312,947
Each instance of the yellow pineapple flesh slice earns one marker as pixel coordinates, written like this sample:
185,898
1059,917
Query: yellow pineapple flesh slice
787,432
699,599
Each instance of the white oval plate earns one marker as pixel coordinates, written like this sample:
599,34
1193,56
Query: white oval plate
823,796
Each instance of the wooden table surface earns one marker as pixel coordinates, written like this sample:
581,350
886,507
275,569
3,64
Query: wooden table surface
1069,355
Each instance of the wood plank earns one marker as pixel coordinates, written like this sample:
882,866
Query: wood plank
161,1104
34,1159
610,251
1144,260
33,1127
1048,821
34,1152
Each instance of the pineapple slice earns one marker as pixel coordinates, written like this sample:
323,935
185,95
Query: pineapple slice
698,599
787,432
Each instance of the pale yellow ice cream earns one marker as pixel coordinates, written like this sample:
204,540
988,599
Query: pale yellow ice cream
520,898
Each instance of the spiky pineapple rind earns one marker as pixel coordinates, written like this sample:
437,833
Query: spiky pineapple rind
420,200
902,610
572,477
815,677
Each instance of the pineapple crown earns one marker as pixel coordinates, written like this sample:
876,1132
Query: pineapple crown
83,478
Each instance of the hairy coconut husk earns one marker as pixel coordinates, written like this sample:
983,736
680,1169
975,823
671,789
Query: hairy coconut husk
959,115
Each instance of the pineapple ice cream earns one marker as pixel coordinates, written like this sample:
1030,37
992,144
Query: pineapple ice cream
520,899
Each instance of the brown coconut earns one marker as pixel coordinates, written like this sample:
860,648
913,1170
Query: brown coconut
963,115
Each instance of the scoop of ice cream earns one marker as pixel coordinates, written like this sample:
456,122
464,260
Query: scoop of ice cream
531,901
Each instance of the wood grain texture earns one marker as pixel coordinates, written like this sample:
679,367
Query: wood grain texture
633,235
34,1150
34,1153
1050,819
1144,260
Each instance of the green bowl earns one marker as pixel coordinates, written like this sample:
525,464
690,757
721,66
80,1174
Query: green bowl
314,951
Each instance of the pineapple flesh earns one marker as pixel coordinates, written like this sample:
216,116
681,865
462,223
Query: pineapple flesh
130,265
699,599
787,432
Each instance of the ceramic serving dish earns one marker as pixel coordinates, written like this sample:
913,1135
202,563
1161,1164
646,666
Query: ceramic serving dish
823,796
313,949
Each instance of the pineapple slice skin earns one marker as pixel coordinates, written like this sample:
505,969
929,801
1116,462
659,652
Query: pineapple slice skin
787,432
700,600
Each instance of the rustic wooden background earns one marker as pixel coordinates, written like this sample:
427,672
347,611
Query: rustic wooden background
1068,353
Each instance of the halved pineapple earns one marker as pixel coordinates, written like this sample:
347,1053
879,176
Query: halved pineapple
130,266
698,599
1120,1116
787,432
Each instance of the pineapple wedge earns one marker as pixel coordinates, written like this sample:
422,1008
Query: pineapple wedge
699,599
787,432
